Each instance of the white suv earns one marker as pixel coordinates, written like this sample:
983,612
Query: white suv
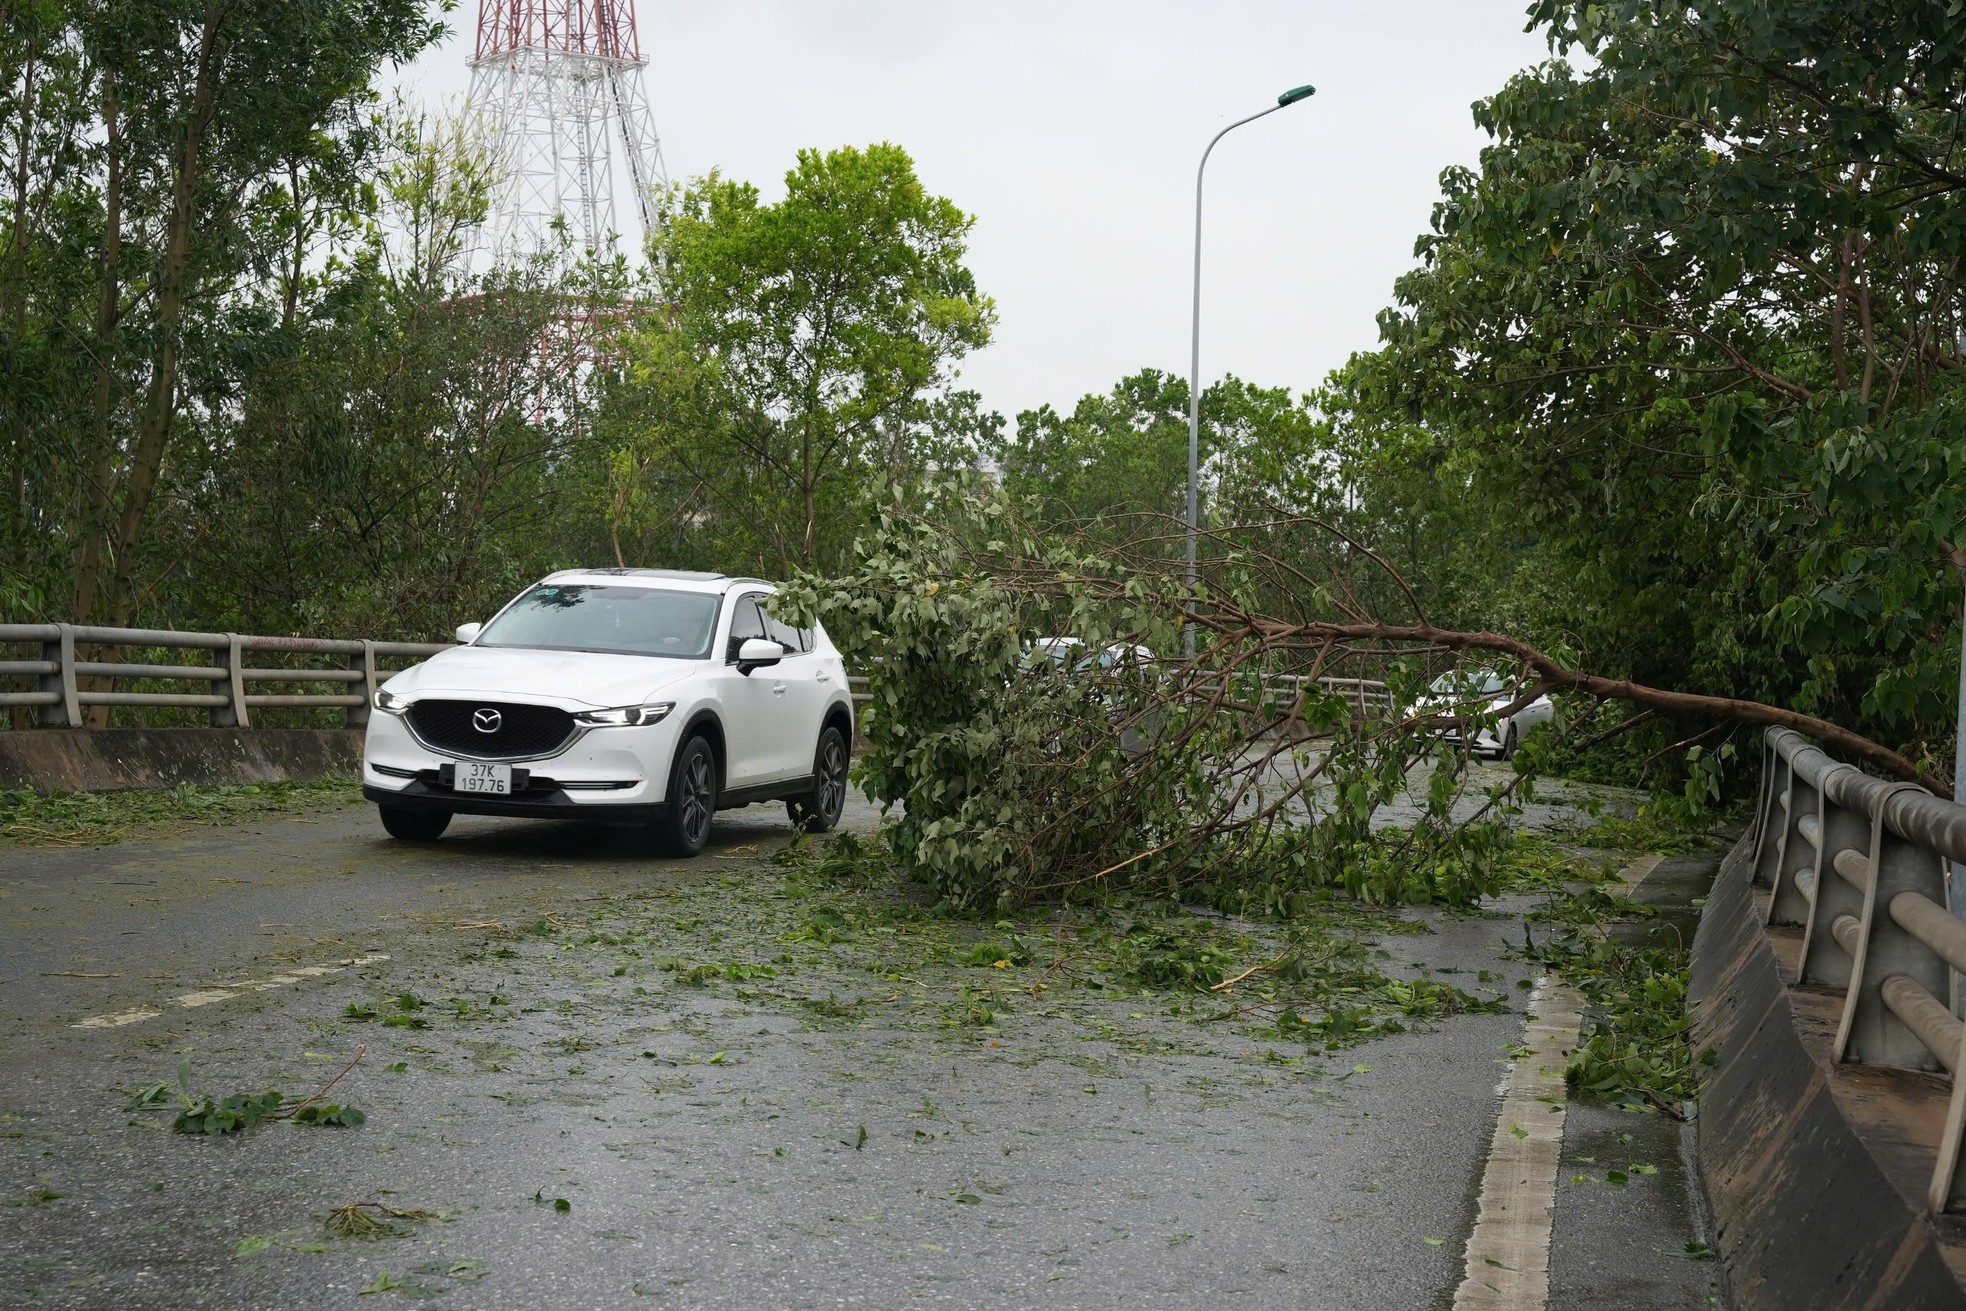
646,696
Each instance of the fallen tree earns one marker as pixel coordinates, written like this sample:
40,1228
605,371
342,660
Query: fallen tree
1028,770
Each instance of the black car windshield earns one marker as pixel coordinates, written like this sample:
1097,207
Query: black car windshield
610,619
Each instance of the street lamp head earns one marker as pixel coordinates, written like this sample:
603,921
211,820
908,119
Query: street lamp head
1296,94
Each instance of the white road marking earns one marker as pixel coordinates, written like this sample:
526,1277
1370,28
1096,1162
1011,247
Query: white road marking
225,992
1508,1255
117,1020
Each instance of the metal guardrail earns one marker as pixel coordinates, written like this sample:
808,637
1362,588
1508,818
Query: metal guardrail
1861,865
1365,694
63,682
61,691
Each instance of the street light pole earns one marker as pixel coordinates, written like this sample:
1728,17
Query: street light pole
1284,101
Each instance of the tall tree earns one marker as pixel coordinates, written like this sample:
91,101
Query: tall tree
1695,325
157,196
821,325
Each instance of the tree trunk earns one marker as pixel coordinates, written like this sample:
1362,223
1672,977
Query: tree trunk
95,495
160,402
14,282
1554,675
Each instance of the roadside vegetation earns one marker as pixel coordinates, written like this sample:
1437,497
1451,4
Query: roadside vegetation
82,819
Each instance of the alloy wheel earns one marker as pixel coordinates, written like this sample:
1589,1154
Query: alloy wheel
697,803
832,779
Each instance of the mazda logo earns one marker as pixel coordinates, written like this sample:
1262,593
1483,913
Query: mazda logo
486,720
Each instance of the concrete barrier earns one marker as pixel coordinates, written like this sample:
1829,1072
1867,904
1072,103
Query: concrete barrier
110,759
1816,1172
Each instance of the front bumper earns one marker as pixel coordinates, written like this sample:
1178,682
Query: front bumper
612,774
534,803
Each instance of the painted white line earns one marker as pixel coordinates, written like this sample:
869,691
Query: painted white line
1634,874
225,992
117,1020
1508,1256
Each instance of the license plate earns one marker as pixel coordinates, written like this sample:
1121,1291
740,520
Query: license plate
480,777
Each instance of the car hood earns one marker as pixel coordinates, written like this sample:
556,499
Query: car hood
570,679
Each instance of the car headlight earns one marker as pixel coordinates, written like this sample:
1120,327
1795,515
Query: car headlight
626,716
392,702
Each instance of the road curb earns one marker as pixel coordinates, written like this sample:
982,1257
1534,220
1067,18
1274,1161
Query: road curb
110,759
1815,1172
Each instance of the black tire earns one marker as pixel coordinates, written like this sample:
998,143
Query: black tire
820,809
414,825
684,828
1508,744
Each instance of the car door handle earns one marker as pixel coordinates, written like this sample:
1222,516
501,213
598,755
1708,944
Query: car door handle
778,689
821,676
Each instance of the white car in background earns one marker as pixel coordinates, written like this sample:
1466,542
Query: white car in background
1482,692
643,696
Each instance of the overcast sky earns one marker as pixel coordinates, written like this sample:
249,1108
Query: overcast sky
1071,131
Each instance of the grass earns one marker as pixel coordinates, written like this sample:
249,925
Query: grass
87,819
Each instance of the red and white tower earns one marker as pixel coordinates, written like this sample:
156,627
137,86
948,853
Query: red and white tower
556,92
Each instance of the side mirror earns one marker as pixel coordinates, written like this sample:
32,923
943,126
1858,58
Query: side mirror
468,633
758,651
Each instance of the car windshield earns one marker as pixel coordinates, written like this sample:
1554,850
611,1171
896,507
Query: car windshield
1464,683
1058,650
611,619
1112,656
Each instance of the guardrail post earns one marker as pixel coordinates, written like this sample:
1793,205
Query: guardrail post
1823,959
1793,854
1765,803
232,714
1776,799
1869,1032
67,712
1948,1188
358,716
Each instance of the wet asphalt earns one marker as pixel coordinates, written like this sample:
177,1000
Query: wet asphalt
715,1144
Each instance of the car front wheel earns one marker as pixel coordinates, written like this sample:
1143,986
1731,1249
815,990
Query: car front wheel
820,809
684,828
414,825
1509,744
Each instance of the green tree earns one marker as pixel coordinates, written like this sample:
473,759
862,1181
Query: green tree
809,340
176,161
1121,456
418,454
1693,329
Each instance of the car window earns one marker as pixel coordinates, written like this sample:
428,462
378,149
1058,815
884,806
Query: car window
794,640
1464,682
617,620
746,622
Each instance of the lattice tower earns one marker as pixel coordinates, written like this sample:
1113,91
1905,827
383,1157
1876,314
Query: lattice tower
556,92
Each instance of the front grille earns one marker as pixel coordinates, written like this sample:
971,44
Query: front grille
522,730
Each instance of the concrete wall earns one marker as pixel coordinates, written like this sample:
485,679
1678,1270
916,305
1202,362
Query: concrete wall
106,760
1816,1171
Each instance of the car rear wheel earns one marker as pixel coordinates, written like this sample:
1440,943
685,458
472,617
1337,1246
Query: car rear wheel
684,828
414,825
820,809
